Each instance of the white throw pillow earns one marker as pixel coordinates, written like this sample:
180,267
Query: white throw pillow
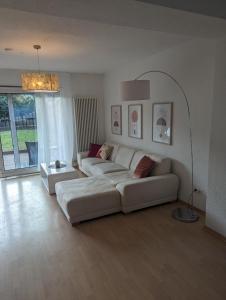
104,152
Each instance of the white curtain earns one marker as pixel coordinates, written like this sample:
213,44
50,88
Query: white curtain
55,127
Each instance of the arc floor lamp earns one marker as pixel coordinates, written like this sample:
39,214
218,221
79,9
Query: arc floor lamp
138,89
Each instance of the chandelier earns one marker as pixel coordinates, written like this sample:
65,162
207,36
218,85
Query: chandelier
40,82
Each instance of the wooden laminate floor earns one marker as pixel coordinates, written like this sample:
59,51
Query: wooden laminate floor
139,256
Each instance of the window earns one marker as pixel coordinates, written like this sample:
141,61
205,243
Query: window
18,131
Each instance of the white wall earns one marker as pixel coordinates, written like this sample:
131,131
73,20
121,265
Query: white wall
216,201
87,84
192,64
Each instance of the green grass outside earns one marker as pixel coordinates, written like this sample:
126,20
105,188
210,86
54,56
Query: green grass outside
23,135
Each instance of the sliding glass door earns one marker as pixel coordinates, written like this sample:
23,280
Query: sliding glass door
18,134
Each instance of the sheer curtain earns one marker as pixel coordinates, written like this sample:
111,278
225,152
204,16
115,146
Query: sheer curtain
55,127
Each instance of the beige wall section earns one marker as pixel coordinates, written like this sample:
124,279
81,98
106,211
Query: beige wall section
192,64
216,201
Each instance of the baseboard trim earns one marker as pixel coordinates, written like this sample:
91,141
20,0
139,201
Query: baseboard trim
205,227
214,233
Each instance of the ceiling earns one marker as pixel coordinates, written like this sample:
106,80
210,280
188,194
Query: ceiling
216,8
93,36
131,13
74,45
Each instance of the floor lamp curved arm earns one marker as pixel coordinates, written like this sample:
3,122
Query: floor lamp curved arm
140,90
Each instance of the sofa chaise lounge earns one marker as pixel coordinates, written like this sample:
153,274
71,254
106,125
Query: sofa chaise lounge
110,186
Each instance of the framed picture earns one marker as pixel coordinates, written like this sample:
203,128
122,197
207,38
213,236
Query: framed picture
116,119
162,123
135,121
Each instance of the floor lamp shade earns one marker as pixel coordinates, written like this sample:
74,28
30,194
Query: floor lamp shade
135,90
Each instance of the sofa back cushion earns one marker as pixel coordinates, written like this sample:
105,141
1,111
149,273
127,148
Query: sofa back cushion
162,166
124,156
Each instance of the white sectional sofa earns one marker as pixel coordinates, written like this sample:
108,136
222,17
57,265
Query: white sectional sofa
111,186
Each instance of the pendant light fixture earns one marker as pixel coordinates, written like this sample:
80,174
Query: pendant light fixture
40,82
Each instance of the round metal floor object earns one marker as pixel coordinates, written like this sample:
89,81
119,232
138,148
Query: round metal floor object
185,214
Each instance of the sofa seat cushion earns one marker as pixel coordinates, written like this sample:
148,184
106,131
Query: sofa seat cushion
90,161
87,164
119,177
86,198
105,168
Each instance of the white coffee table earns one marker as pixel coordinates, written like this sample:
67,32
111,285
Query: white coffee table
50,176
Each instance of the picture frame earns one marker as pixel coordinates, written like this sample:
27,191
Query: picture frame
135,121
162,122
116,119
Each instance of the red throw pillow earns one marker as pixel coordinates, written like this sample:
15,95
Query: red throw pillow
93,149
144,167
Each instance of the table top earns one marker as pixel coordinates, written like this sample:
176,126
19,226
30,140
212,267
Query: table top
51,171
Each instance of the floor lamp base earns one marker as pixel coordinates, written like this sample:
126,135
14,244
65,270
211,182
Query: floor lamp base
185,214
